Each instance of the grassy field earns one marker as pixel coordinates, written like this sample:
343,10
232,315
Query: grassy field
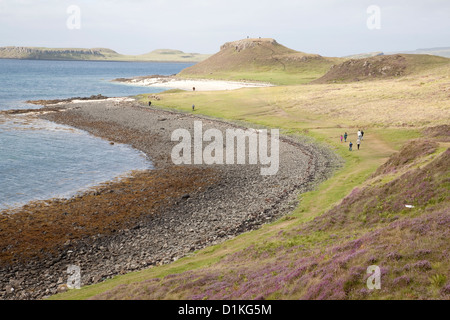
335,229
295,75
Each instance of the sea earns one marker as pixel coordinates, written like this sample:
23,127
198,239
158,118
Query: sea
42,160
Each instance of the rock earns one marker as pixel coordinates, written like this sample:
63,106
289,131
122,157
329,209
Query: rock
9,289
62,288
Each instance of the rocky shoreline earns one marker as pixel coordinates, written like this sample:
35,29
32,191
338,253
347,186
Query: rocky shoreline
154,217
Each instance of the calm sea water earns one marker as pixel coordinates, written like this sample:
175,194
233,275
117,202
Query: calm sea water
40,159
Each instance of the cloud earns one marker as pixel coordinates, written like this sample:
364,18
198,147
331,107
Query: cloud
328,27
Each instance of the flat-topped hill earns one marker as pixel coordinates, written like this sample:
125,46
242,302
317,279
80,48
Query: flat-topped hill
381,67
439,51
243,44
39,53
261,59
364,55
96,54
171,55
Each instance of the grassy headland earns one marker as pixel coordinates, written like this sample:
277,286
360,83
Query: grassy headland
357,218
261,60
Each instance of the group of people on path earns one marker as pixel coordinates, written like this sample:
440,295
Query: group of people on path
358,141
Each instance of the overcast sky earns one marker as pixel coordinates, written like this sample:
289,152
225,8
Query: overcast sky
326,27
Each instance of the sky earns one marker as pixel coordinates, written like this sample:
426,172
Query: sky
326,27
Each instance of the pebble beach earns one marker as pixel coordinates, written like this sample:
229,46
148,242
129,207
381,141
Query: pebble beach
152,217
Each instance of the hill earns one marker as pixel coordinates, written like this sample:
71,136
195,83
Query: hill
169,55
380,67
37,53
364,55
96,54
439,51
261,59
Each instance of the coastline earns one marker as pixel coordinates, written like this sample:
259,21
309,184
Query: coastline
155,216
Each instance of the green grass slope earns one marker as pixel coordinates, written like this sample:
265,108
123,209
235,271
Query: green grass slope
262,60
327,258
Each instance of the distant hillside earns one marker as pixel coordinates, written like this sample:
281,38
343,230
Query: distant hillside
171,55
380,67
261,59
96,54
440,51
364,55
56,53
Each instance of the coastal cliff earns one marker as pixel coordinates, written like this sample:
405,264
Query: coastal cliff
96,54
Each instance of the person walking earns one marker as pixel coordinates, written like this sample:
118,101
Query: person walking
341,138
358,142
193,107
345,137
362,135
359,134
350,146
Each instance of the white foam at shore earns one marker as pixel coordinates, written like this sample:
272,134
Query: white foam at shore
119,99
116,100
30,121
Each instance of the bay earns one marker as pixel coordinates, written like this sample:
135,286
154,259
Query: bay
40,159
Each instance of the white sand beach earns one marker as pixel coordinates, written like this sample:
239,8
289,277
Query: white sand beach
189,84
